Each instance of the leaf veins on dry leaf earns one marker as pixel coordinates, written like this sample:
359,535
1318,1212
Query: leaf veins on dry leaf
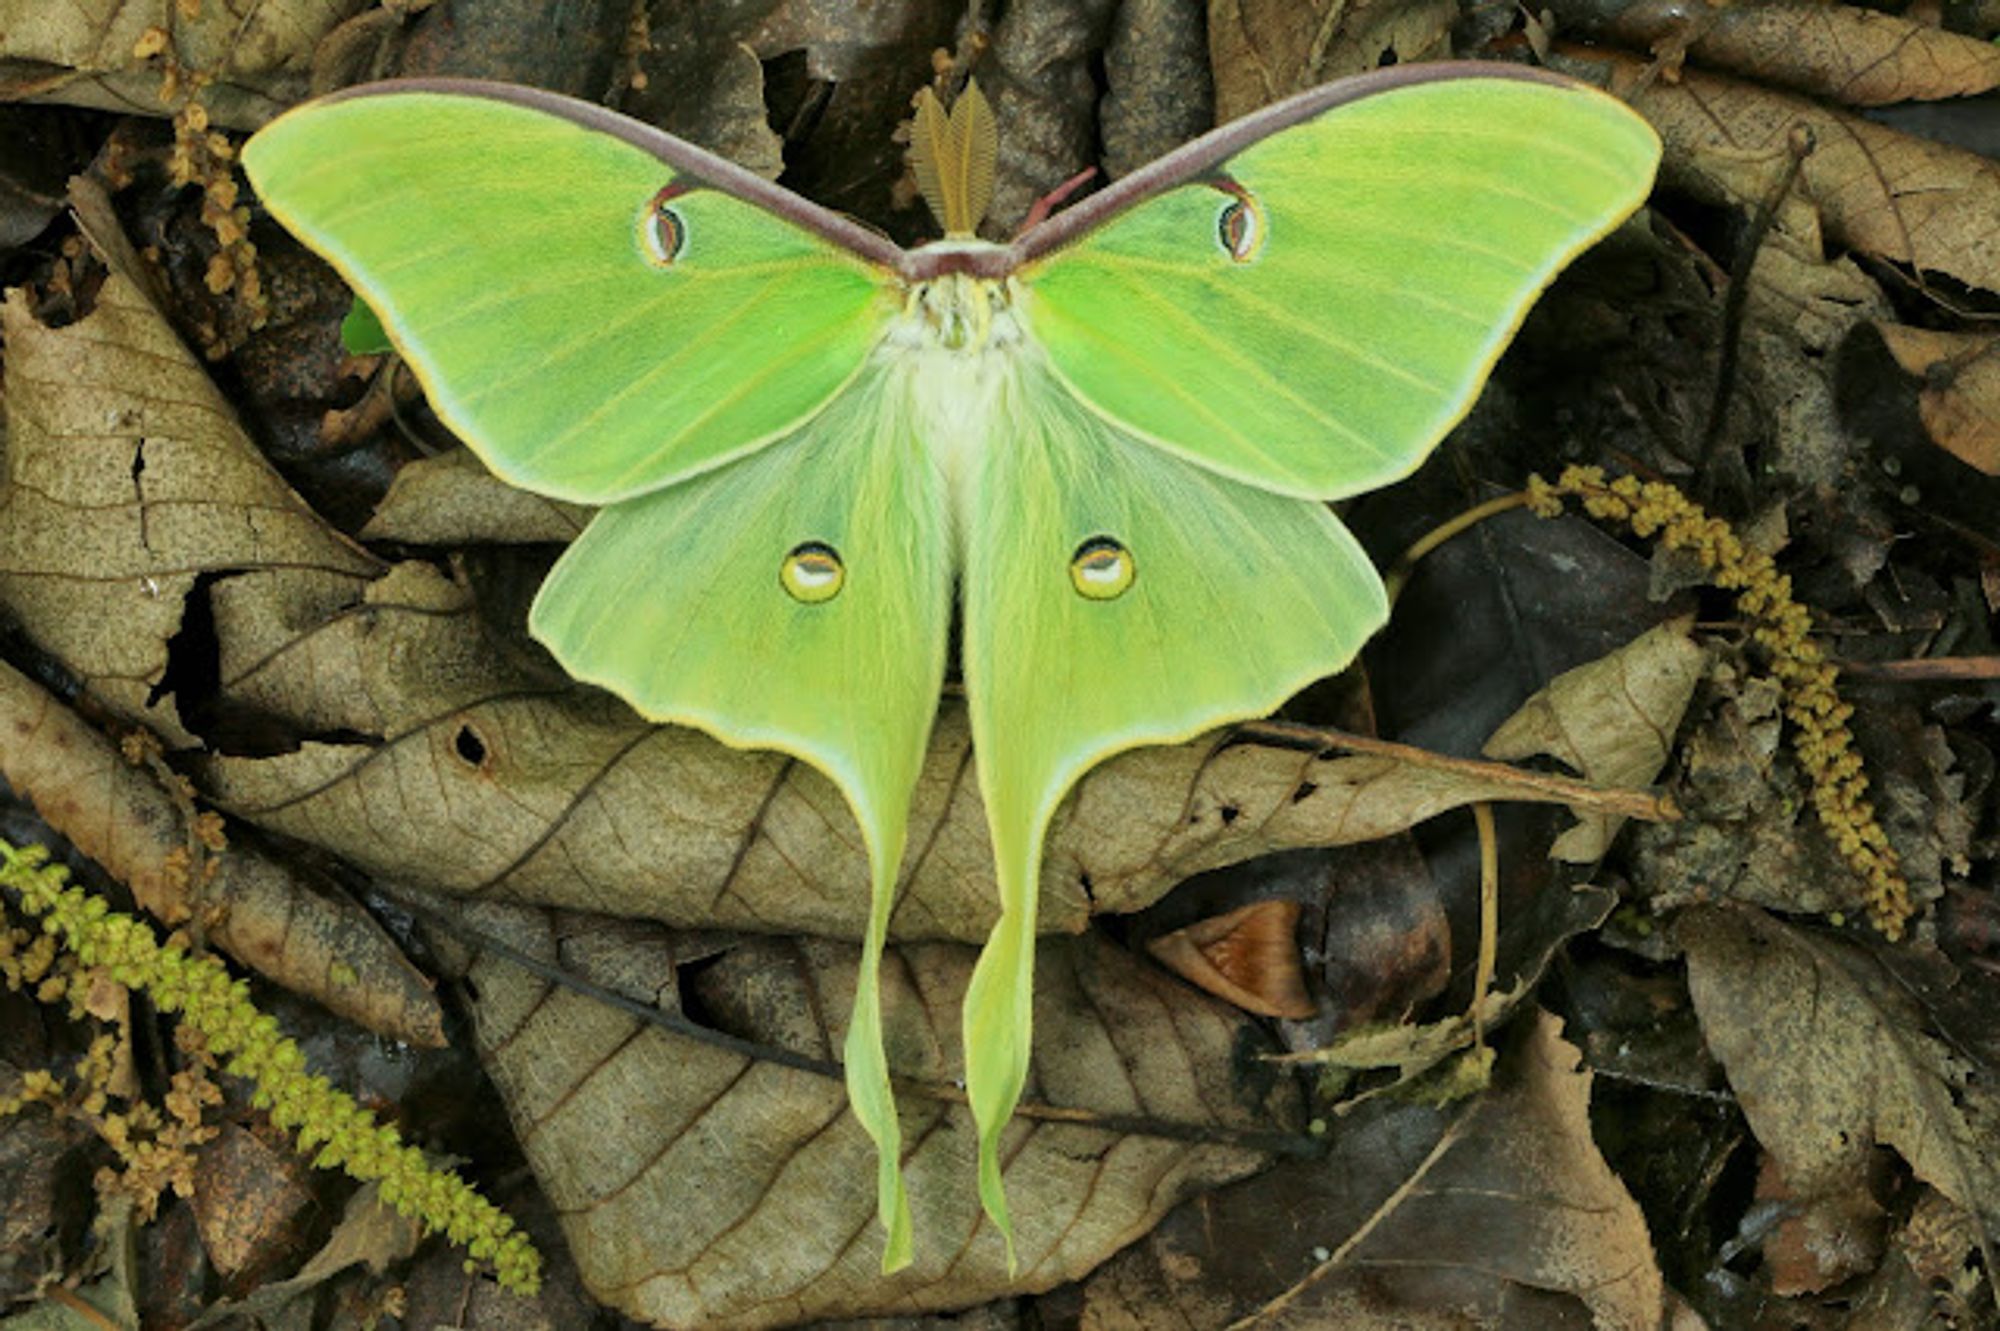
699,1186
1830,1061
1844,53
1892,195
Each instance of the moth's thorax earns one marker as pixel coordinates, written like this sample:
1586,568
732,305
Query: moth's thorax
955,351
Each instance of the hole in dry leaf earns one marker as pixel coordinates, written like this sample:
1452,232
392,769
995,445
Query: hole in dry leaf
1230,813
1306,791
469,747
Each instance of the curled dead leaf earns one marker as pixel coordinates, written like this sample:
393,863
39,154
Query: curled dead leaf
1844,53
1612,720
254,908
1248,956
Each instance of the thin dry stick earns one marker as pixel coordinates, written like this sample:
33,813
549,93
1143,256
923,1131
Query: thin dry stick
1538,787
1489,917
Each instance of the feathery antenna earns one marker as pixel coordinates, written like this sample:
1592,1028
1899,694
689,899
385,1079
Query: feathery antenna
953,156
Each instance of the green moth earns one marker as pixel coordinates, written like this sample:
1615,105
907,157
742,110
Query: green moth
1110,441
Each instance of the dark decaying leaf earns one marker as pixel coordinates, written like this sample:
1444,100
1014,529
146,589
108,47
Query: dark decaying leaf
701,82
569,48
701,1186
1158,91
257,908
1491,617
1037,73
1496,1213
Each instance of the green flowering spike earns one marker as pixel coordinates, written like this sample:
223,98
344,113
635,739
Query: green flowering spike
324,1121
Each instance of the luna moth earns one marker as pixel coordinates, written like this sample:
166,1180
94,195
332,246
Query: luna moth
1110,442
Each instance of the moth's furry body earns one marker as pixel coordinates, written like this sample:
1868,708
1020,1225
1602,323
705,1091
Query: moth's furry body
954,357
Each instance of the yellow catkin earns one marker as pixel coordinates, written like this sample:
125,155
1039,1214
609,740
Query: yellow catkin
325,1123
1783,627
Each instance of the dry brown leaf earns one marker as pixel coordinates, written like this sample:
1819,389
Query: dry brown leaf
1263,50
1829,1059
699,1186
452,499
370,1233
1502,1214
1878,191
127,479
1960,397
482,780
255,908
1248,956
81,52
1844,53
1611,720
